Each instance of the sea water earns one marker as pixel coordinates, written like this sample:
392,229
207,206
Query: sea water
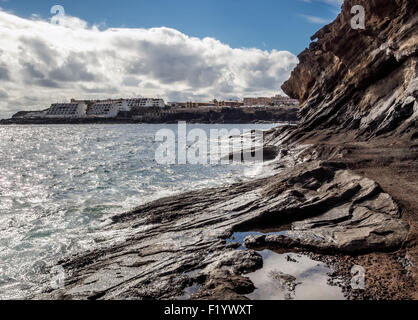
61,184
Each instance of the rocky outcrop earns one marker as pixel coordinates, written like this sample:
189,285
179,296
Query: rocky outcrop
368,221
179,243
361,80
358,83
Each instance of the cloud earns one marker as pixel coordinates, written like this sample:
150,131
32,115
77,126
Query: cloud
41,63
315,19
330,2
333,6
4,73
3,94
334,2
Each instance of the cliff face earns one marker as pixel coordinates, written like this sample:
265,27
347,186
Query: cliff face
332,198
362,80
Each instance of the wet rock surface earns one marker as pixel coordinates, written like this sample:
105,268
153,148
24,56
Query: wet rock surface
362,218
331,190
178,242
286,281
212,115
266,153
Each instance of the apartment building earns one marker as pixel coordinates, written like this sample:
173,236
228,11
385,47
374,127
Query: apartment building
231,103
281,100
260,101
67,110
277,100
108,109
145,103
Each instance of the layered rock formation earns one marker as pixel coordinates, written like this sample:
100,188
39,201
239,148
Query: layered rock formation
362,80
357,85
180,242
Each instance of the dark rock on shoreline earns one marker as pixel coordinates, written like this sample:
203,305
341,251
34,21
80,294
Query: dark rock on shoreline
217,115
343,185
268,152
178,242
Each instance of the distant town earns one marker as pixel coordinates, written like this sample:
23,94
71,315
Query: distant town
140,107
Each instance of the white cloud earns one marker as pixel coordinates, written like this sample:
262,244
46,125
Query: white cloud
314,19
319,20
331,2
334,2
41,63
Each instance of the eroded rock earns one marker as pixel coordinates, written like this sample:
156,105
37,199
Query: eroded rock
371,91
178,242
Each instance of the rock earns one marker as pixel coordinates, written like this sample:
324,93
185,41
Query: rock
290,259
177,241
224,285
268,153
372,91
286,280
362,218
213,115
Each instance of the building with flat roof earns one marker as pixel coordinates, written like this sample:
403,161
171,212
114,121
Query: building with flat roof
230,103
67,110
132,102
107,109
277,100
260,101
145,103
282,100
190,104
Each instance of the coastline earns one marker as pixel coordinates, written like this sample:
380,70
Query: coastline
172,248
344,185
215,116
7,122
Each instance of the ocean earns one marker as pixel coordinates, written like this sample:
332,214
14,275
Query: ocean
61,184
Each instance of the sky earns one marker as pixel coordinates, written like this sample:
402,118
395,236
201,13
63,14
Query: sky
174,49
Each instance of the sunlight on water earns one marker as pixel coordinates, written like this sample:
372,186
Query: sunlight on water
60,184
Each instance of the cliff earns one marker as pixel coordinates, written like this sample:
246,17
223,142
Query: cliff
361,80
342,187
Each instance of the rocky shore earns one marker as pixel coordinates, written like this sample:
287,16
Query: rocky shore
342,188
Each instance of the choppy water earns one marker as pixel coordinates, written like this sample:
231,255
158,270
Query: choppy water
60,184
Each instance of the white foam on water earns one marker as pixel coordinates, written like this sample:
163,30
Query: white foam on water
61,184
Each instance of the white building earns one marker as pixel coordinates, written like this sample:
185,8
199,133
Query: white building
279,100
107,109
100,108
145,103
67,110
